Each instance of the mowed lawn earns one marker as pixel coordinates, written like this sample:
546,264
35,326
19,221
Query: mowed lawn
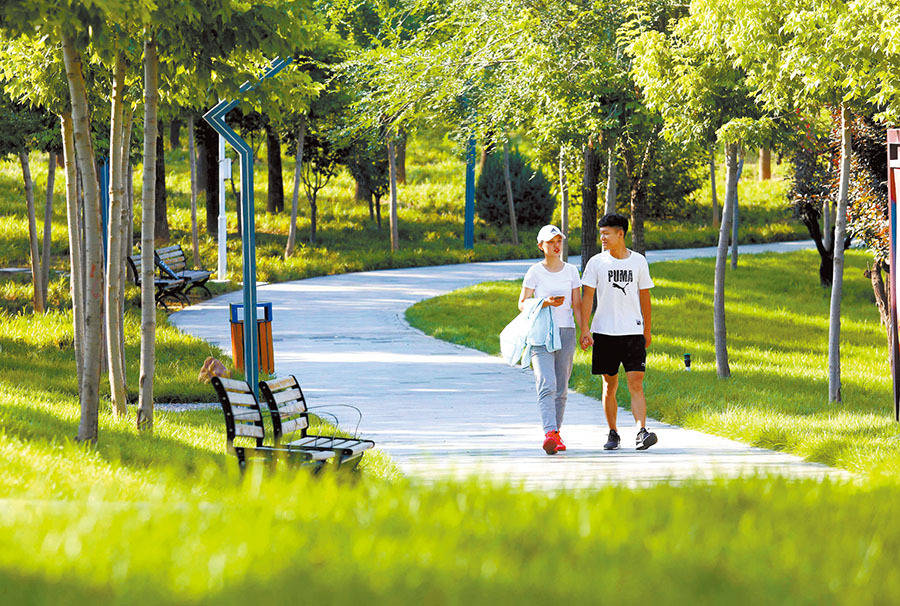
777,322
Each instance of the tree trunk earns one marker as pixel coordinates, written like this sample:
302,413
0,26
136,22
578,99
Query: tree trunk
36,274
564,203
76,244
161,229
48,227
392,165
610,206
837,281
378,211
509,195
148,305
765,164
192,161
827,229
712,186
175,133
721,340
882,299
88,428
275,198
127,229
735,218
486,150
114,260
208,177
589,204
401,157
295,195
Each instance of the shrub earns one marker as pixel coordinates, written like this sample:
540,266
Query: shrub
531,192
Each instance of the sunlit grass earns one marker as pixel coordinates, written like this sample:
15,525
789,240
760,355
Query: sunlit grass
777,321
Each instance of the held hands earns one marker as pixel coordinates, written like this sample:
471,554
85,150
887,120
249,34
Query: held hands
586,341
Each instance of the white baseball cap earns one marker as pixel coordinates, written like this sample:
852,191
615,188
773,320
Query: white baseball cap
548,232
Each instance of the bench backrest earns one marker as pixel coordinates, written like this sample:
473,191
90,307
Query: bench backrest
134,267
173,257
243,417
286,405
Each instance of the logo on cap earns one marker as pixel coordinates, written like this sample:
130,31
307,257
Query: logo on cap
548,232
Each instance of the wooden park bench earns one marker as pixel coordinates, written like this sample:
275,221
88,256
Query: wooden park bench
166,288
290,421
173,264
243,420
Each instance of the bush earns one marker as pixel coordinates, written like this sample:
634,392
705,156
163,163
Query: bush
531,192
677,172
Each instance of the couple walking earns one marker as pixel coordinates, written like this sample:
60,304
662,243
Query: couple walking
552,304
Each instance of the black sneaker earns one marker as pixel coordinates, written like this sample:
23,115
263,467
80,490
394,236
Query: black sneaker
613,442
645,439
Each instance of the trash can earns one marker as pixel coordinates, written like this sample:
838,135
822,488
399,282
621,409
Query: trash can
266,355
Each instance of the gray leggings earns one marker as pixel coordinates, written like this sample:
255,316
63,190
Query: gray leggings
551,378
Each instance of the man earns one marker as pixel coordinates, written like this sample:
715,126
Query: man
620,330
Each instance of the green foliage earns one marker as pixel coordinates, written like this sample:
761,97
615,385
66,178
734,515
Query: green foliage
530,189
778,350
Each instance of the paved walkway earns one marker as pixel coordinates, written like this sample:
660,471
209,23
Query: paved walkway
440,409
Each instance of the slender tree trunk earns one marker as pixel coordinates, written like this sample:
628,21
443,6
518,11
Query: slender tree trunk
36,274
275,198
882,298
192,161
765,164
209,174
589,204
378,211
175,134
48,227
114,261
735,218
295,195
161,228
721,340
148,305
837,282
88,428
76,244
712,186
392,165
610,206
401,157
564,203
509,195
127,237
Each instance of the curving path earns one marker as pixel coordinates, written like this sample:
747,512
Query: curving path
440,409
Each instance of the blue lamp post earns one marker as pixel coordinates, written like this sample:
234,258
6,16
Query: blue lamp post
216,118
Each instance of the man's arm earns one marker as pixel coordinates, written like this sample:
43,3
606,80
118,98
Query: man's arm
587,301
645,312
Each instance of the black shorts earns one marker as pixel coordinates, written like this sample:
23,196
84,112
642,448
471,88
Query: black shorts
611,350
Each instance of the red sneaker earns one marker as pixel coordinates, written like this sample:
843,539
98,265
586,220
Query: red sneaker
551,442
559,443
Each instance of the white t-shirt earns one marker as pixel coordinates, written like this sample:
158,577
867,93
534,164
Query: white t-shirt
617,282
551,283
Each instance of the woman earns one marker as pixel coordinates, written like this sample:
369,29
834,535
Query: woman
559,286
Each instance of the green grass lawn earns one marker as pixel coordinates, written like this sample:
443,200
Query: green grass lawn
777,321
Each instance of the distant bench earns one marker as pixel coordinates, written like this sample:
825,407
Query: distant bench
172,263
166,288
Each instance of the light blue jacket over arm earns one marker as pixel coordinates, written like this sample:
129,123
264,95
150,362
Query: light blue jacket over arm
534,326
